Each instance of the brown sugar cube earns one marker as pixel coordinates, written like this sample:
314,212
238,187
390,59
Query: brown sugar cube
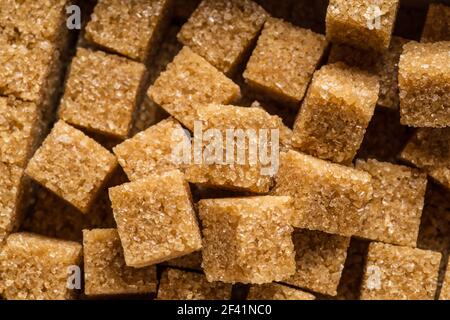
105,272
155,219
184,285
437,24
150,151
327,197
284,60
400,273
424,82
71,165
429,150
361,23
101,92
236,165
275,291
130,28
394,213
320,258
34,267
247,240
222,31
190,80
336,113
191,261
445,291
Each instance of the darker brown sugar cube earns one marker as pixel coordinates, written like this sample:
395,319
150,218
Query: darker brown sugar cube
437,23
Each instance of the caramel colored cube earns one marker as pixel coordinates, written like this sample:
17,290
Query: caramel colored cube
424,82
437,24
394,213
155,219
190,80
247,240
34,267
71,165
336,113
400,273
184,285
191,261
327,197
102,92
320,258
105,271
445,291
367,24
130,28
275,291
222,31
284,60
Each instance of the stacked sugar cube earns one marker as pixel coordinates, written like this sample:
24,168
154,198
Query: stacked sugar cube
355,207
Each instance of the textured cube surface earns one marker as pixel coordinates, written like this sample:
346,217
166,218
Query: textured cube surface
105,271
71,165
437,24
190,80
155,219
284,60
362,23
400,273
33,267
11,188
394,213
335,113
247,240
184,285
327,197
445,291
424,82
320,258
275,291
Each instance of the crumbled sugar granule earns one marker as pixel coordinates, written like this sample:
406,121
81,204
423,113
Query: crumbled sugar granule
400,273
190,80
445,291
34,267
437,23
105,272
244,173
320,258
429,150
275,291
71,165
335,113
222,31
247,240
327,197
394,213
155,219
284,60
102,92
367,24
424,82
191,261
151,151
183,285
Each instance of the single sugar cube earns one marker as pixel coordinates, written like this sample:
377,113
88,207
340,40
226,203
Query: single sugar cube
437,23
424,82
284,60
320,258
130,28
247,240
400,273
445,290
367,24
222,31
192,261
276,291
34,267
71,165
327,197
336,113
190,80
102,92
155,219
105,271
184,285
151,151
429,150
